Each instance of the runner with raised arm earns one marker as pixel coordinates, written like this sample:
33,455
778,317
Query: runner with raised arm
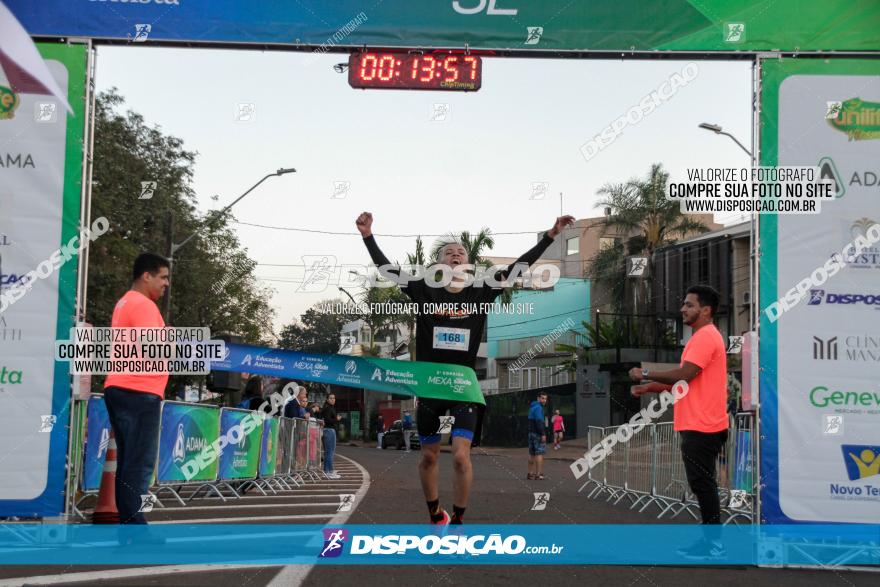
451,337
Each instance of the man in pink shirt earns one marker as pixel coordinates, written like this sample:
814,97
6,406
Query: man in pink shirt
700,417
135,401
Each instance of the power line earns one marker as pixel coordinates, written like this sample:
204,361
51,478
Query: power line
334,233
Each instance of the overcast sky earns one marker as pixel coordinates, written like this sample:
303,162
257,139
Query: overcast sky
416,175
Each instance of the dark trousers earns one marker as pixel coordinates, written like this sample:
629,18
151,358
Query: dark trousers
700,451
134,416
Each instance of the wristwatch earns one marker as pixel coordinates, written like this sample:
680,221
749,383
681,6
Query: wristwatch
645,373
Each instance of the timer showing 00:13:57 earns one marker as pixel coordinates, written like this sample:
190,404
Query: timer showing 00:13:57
414,71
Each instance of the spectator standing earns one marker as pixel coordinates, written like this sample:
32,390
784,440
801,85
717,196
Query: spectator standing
537,438
134,402
700,417
252,398
381,428
331,422
407,429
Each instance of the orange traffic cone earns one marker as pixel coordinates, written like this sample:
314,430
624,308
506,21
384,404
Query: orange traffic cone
105,511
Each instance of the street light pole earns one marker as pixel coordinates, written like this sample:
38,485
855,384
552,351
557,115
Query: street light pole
752,228
718,131
363,390
166,302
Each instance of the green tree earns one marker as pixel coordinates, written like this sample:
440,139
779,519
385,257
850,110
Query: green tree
416,258
316,331
379,323
639,207
213,278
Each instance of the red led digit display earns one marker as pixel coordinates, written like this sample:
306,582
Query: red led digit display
413,71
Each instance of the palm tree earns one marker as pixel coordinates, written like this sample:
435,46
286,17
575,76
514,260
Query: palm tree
416,259
474,245
609,334
378,322
639,206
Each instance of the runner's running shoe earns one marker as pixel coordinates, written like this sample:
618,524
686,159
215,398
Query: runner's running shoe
444,521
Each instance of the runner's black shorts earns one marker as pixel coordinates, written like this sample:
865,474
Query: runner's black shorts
428,419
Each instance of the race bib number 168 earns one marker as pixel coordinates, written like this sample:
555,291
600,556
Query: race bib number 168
455,339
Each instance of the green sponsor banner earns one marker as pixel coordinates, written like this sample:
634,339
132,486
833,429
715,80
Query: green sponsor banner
412,378
186,430
823,113
522,25
269,450
243,431
41,148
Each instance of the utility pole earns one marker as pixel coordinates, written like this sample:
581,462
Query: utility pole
169,247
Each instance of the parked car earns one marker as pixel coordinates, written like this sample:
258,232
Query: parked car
394,437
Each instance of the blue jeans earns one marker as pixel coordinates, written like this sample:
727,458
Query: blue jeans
134,416
329,448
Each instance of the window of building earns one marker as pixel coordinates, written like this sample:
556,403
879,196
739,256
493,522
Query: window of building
547,377
572,245
562,377
530,378
514,378
703,264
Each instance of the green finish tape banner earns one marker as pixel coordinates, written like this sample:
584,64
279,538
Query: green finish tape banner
411,378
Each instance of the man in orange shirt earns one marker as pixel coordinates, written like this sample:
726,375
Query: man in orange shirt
135,401
700,416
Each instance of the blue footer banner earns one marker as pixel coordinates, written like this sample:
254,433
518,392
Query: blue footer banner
635,544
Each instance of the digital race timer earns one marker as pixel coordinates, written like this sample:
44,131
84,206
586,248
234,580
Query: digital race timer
414,71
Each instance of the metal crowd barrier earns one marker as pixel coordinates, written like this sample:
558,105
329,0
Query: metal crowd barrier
648,470
743,461
300,451
313,449
672,488
287,454
181,427
595,475
78,487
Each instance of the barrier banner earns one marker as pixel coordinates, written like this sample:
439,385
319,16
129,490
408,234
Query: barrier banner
618,25
40,185
97,440
300,445
285,454
744,472
411,378
240,458
269,447
186,429
314,458
820,297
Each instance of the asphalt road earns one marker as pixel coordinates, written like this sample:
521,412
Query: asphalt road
501,495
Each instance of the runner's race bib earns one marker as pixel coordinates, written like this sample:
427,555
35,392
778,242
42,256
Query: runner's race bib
455,339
